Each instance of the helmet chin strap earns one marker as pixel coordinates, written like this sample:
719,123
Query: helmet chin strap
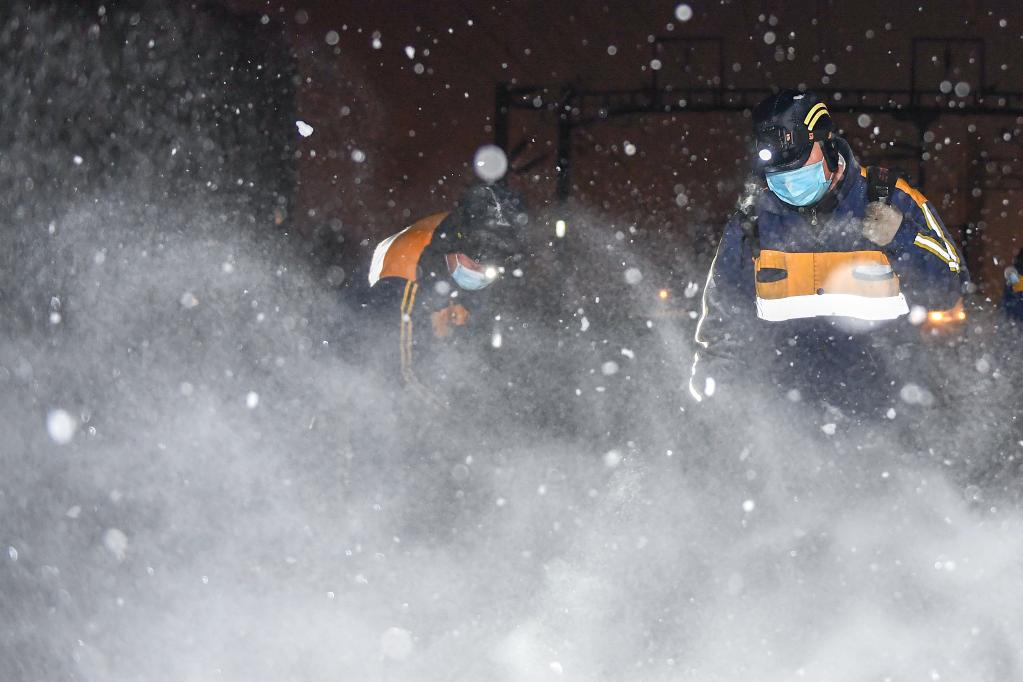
831,156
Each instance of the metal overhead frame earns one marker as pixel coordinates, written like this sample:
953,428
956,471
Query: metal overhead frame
576,108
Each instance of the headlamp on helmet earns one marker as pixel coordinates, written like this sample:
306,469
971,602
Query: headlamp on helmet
785,128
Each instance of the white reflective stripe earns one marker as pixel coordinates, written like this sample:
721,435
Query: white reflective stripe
938,250
703,300
377,264
953,257
933,245
699,324
692,378
831,305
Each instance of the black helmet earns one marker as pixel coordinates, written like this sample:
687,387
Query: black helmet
786,125
488,222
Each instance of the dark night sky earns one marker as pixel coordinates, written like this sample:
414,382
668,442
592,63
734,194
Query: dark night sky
418,131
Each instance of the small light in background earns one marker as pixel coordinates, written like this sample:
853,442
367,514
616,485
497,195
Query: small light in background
559,229
662,294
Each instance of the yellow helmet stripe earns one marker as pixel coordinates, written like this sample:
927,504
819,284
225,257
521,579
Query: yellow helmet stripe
818,116
813,110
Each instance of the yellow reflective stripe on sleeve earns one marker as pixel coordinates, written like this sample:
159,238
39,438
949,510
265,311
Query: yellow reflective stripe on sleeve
405,339
813,110
930,244
936,228
945,249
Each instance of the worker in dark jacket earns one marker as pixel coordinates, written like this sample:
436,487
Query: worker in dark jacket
822,271
433,283
1012,298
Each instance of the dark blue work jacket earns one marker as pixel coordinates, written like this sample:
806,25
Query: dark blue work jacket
810,306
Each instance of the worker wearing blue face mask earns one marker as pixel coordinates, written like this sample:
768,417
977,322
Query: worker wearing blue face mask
816,276
433,281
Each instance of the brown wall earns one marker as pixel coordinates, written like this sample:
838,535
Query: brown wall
419,131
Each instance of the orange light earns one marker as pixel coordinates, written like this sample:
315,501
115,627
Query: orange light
662,294
936,316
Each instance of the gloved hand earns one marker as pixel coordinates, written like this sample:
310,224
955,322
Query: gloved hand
880,222
1011,276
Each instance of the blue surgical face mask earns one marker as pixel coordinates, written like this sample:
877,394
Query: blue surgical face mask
800,187
470,280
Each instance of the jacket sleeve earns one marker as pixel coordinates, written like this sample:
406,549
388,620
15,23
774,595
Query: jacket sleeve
924,256
724,330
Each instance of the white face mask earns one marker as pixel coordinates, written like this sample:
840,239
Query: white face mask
467,277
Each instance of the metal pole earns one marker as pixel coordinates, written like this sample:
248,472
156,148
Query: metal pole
564,144
564,187
501,102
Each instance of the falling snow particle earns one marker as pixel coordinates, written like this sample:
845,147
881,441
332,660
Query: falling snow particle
556,668
692,288
829,429
612,50
630,149
13,553
358,156
962,89
252,400
633,276
188,300
863,120
490,163
377,42
77,160
608,368
333,38
748,506
917,315
116,543
612,458
770,37
304,129
61,426
683,12
830,69
410,52
460,472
